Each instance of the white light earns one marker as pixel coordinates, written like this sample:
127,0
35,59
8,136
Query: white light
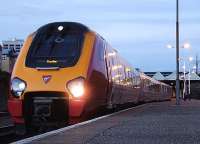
17,87
116,67
111,54
22,86
76,87
191,58
169,46
183,67
128,69
186,45
194,67
60,28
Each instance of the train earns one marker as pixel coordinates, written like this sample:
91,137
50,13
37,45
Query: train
65,70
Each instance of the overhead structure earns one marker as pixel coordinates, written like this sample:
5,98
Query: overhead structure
158,76
171,77
192,77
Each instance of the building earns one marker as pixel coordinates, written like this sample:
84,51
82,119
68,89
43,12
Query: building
10,51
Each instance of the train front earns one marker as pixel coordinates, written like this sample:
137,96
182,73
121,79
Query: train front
48,84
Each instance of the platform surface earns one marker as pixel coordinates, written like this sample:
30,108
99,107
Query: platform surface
153,123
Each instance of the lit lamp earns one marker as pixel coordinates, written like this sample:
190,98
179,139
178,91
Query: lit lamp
186,45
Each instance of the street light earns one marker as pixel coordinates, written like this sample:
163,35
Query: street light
177,54
186,45
169,46
184,79
190,60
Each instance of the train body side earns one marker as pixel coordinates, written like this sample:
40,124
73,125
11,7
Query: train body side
153,90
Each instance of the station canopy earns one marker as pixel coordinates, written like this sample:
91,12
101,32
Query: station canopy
158,76
193,76
172,76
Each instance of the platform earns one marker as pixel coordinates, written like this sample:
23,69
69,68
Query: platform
153,123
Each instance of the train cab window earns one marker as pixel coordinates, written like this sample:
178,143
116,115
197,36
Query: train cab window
52,47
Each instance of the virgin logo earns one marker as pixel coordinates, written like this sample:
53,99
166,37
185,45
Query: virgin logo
46,78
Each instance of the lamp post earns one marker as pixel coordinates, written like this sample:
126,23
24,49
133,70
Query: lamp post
189,76
186,90
186,45
177,55
184,79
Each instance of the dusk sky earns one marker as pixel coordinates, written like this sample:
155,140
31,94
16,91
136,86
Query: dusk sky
138,29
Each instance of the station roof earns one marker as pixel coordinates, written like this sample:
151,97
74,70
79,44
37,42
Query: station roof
193,76
161,76
172,76
158,76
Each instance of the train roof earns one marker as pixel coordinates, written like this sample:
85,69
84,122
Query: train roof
72,26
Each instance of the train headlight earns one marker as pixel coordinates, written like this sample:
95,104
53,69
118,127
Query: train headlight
76,87
17,87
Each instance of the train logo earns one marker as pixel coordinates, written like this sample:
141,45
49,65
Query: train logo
46,78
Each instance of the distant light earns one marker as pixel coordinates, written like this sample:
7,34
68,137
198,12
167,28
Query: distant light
183,67
128,69
60,28
187,45
194,67
116,67
169,46
191,58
